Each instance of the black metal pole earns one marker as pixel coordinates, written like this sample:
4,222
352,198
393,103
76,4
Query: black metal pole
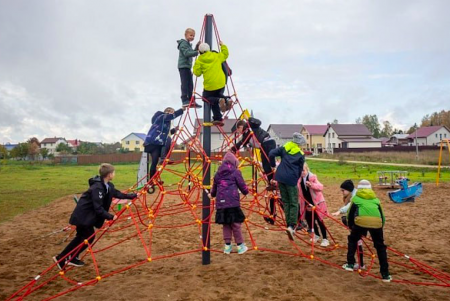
206,211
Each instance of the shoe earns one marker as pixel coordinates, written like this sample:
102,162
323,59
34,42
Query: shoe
229,104
269,220
324,243
316,238
227,249
194,105
218,123
242,248
223,105
349,267
76,262
271,187
61,265
290,232
386,278
356,267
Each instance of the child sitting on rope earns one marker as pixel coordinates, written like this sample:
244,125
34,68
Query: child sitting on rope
312,205
157,135
366,215
227,183
348,191
186,53
91,211
287,175
210,65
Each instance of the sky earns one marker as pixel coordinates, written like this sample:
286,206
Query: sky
97,70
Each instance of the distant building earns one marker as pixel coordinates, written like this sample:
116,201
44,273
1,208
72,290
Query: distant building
398,139
314,136
282,133
349,136
429,135
9,147
74,144
218,140
52,143
134,142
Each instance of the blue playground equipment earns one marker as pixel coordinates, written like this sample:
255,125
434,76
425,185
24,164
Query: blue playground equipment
405,193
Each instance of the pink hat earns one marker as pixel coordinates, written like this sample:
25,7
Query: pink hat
230,158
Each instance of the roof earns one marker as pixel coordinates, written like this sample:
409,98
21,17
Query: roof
228,124
52,140
75,142
350,130
400,136
10,146
426,131
285,131
361,139
316,129
139,135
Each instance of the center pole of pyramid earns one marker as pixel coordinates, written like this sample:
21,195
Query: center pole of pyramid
206,211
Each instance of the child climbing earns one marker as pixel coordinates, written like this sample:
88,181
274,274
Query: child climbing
91,211
186,53
366,215
227,183
312,205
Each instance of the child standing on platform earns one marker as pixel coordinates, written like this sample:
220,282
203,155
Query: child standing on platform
227,183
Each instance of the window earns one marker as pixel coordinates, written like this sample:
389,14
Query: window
137,150
334,145
445,135
329,135
127,142
137,142
307,136
319,145
307,145
333,135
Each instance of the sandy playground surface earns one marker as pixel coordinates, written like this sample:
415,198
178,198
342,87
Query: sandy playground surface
420,229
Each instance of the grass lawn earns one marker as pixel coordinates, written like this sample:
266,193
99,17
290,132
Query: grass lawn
25,186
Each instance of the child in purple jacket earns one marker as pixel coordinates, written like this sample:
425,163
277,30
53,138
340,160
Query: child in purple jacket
227,183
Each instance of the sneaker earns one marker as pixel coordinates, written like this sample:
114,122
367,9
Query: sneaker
194,105
223,105
316,238
227,249
229,104
324,243
269,220
76,262
349,267
60,264
356,267
242,248
218,123
290,232
386,278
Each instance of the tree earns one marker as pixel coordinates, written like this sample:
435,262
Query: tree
387,130
20,151
412,129
33,147
3,152
358,120
371,122
44,153
87,148
437,118
63,148
335,121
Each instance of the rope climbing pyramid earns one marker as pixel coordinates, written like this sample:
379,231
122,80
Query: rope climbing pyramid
152,227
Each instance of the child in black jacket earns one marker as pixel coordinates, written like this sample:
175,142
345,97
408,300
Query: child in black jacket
91,211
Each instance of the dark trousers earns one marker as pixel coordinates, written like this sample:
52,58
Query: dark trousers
267,164
378,243
213,98
83,232
155,152
187,85
317,221
166,148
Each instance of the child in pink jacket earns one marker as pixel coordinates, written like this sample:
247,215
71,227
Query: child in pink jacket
310,194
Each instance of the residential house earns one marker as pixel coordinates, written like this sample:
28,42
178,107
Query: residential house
52,143
218,141
398,139
9,147
134,142
349,136
74,144
282,133
429,135
314,136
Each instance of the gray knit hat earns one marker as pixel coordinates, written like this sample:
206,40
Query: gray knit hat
204,47
364,184
298,138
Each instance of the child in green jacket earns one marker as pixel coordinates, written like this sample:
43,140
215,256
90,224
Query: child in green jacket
366,215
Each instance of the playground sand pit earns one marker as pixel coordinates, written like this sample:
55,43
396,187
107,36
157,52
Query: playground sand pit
420,229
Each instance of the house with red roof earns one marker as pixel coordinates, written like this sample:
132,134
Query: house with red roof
349,136
314,136
429,135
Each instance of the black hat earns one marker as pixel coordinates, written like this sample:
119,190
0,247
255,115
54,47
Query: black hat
348,185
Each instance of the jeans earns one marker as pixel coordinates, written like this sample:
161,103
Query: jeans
187,85
213,98
267,164
317,221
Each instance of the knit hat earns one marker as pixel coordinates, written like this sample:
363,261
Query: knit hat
298,138
204,47
364,184
230,158
348,185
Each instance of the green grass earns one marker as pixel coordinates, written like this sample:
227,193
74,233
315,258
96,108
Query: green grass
25,186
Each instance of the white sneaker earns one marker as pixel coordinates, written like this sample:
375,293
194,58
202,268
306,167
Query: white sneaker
316,238
325,243
356,267
290,232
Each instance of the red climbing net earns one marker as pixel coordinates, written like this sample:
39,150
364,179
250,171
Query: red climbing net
177,205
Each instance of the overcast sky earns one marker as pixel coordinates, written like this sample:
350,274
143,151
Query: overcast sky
98,70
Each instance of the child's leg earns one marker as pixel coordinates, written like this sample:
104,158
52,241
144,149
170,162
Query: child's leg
378,243
323,229
285,197
185,73
361,253
155,152
166,148
353,238
213,98
267,146
237,233
227,233
190,85
82,234
308,217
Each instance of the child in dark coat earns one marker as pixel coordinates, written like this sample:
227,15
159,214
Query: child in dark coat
91,211
227,183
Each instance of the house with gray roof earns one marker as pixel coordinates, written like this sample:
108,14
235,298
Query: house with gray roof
282,133
429,135
398,139
349,136
52,143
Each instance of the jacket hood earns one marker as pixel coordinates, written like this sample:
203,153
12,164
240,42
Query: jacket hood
292,148
157,114
94,180
181,41
366,193
230,159
209,57
228,166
